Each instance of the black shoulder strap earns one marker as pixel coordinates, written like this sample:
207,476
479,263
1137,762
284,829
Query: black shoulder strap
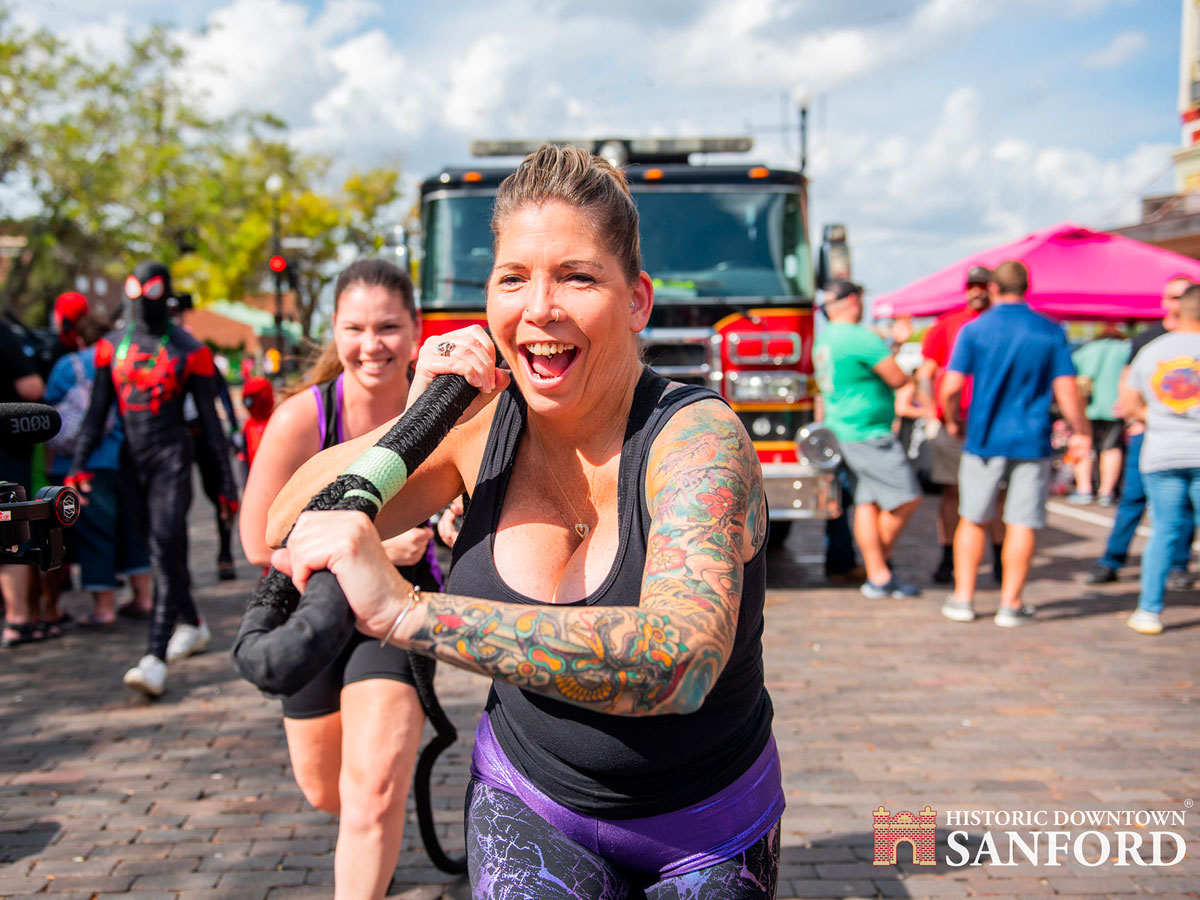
328,391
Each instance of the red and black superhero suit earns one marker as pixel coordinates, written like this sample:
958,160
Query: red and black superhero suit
148,368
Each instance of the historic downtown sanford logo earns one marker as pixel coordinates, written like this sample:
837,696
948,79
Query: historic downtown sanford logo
1041,837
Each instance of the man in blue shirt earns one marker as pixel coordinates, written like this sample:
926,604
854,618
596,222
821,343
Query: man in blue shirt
1019,362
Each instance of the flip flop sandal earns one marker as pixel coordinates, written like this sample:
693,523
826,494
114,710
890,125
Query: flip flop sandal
29,633
49,632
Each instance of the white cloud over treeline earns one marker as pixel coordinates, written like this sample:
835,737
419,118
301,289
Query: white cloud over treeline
372,83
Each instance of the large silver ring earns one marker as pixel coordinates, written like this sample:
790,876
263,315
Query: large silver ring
445,348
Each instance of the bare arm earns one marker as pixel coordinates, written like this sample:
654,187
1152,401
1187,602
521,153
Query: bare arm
924,381
1130,400
891,373
949,396
30,388
908,404
704,491
290,440
1070,404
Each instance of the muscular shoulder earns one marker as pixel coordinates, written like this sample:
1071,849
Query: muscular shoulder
712,428
703,456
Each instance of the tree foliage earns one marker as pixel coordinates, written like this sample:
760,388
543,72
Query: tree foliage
117,162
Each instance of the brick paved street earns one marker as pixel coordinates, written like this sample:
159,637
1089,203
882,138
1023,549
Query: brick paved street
877,703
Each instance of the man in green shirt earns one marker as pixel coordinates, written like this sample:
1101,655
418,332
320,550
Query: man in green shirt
857,375
1101,362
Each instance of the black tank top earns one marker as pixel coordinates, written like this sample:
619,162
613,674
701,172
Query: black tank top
617,767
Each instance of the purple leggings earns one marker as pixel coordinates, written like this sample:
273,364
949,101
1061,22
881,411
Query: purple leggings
732,836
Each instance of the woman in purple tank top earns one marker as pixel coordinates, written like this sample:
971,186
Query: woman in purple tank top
353,733
609,576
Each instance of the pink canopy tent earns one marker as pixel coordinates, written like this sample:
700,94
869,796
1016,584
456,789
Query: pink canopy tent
1074,273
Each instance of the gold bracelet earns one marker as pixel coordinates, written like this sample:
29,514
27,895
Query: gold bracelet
414,595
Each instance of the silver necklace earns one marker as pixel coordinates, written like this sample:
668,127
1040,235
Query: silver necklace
581,528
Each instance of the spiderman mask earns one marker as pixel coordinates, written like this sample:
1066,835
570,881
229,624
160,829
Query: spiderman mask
148,289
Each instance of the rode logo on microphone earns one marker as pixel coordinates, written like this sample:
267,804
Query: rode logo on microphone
29,424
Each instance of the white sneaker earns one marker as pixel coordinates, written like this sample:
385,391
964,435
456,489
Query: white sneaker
958,610
149,676
1007,617
188,639
1145,622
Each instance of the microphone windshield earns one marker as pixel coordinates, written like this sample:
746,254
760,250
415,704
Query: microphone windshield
26,424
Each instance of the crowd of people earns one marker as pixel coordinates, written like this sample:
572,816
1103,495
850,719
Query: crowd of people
137,404
994,377
609,572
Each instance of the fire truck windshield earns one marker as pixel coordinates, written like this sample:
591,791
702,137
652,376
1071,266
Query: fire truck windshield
717,241
724,242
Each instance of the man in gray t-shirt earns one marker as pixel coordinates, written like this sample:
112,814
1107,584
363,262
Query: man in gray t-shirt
1164,380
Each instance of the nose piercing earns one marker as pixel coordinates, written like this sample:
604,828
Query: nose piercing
554,312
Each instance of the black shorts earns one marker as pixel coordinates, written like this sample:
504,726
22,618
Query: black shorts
361,660
1107,435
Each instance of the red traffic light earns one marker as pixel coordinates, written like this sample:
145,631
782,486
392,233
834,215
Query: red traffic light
278,264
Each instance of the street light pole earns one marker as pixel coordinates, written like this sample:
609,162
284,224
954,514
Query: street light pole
803,98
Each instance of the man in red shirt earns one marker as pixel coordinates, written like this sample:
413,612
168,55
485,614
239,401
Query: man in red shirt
936,348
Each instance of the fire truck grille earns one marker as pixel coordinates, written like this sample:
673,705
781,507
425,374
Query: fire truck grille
678,353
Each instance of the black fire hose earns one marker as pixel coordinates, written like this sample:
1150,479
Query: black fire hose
286,639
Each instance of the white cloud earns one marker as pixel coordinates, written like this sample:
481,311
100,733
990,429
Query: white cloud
236,67
740,42
1120,50
914,206
368,86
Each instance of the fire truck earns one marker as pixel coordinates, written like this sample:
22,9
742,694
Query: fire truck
727,248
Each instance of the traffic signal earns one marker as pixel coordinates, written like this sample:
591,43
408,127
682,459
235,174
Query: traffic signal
278,264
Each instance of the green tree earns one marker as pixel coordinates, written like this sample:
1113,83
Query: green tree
120,163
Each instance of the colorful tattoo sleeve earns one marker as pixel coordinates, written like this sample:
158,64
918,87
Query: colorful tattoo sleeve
704,493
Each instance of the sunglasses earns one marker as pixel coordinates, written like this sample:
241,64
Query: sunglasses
154,289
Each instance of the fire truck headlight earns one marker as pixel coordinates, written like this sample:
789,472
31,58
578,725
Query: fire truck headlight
816,445
765,387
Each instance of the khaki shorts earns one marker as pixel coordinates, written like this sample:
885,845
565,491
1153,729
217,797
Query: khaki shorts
980,480
882,474
945,454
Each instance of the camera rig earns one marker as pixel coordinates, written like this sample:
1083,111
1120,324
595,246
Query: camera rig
39,522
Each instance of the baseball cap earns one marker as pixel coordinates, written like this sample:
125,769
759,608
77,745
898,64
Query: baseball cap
70,307
978,275
841,289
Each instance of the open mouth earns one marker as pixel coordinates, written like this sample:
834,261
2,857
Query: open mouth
548,360
375,366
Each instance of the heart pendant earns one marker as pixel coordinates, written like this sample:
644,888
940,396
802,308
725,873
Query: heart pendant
581,529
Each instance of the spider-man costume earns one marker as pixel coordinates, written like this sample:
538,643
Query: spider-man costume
148,368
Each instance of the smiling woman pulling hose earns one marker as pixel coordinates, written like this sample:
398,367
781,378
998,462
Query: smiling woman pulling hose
352,709
609,576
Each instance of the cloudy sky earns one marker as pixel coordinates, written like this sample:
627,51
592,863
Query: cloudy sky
936,127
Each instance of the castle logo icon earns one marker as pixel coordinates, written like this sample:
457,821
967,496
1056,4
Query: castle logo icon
920,831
